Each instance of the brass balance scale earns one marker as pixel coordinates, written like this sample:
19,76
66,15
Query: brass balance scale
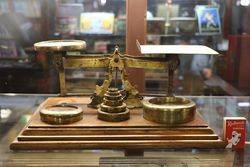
112,118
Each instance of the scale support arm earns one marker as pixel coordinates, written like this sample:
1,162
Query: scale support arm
146,62
86,61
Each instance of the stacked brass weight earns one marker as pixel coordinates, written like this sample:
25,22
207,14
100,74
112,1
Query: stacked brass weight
113,109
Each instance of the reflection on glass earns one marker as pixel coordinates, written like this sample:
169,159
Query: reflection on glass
101,23
171,22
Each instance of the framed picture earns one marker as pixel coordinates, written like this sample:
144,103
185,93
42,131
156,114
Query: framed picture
97,23
208,19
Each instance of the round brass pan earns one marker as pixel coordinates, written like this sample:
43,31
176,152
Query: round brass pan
60,45
169,110
61,114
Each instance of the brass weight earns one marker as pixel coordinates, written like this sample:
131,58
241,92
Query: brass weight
113,109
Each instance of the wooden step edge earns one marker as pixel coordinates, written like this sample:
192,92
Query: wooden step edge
110,126
119,137
107,131
116,144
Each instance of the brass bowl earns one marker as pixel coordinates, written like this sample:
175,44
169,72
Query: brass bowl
60,45
169,110
61,114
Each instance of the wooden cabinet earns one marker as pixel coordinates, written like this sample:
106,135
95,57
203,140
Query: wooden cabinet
237,62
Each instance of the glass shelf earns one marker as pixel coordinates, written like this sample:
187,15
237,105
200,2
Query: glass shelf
212,108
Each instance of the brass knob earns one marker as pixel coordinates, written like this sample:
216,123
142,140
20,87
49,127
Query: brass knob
60,45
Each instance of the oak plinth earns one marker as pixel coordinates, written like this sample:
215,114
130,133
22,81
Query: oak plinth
92,133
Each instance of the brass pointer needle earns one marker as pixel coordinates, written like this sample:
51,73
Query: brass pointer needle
116,77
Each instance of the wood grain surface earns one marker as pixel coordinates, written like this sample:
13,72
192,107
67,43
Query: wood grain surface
92,133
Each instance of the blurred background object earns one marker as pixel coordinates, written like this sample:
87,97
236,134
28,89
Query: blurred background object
221,25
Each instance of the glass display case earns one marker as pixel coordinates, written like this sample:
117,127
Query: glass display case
100,23
180,23
168,22
17,109
217,85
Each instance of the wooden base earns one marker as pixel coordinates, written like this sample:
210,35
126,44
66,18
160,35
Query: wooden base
92,133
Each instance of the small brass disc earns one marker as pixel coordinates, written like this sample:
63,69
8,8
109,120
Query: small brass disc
60,45
114,117
114,103
169,110
112,97
61,114
113,109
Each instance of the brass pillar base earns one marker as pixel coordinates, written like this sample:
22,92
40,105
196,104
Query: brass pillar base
133,103
169,110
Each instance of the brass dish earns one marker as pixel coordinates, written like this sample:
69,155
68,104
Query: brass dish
61,114
169,110
60,45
